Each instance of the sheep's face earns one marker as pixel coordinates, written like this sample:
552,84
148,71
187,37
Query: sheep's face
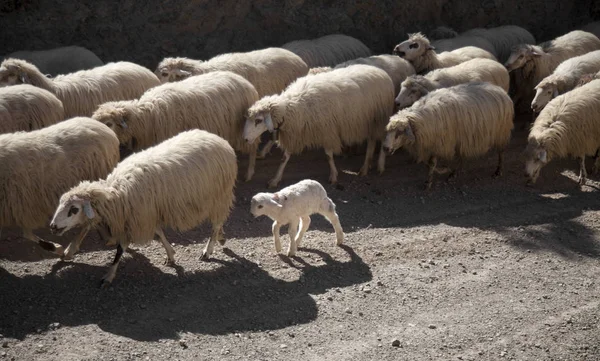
70,214
256,125
537,157
411,49
171,74
265,204
397,138
543,95
9,76
519,57
408,96
117,120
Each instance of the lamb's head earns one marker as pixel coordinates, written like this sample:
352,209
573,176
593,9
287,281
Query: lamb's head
536,158
176,69
521,55
260,119
416,45
72,211
15,71
410,91
544,92
399,133
266,204
116,116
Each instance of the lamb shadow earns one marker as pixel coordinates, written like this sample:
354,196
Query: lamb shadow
147,304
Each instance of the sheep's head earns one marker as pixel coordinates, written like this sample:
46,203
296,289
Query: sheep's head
175,69
266,204
399,134
116,116
260,119
416,45
14,71
544,92
410,92
520,55
71,212
536,158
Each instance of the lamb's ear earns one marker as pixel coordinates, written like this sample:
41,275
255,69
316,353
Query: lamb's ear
543,156
269,123
88,210
276,200
409,133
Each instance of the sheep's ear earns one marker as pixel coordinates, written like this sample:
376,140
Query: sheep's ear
123,123
269,123
555,94
431,47
24,78
88,210
535,52
277,200
543,156
409,133
182,72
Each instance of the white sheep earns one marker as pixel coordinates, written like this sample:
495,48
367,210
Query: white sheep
38,166
216,102
462,41
25,107
270,70
568,126
463,121
329,110
81,92
474,70
328,50
294,205
179,183
63,60
423,57
503,38
564,78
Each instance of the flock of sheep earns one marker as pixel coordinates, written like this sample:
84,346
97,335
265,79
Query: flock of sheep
67,136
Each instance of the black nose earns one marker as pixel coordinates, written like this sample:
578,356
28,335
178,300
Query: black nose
387,149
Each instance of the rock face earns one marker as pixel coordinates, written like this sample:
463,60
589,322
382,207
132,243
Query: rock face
146,31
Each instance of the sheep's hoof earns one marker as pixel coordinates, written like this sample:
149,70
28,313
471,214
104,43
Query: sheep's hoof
332,180
169,262
339,242
291,254
582,181
66,258
272,184
204,256
427,186
497,174
222,241
105,283
111,242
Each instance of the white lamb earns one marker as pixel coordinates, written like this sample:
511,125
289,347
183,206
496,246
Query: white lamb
294,205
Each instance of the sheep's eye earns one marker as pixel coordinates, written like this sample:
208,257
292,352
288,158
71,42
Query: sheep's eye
73,210
260,206
109,124
398,133
414,46
257,121
165,74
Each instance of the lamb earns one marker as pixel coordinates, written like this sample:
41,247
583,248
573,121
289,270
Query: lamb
328,50
178,183
564,78
83,91
294,205
343,107
567,126
462,121
25,107
423,57
474,70
503,38
39,166
63,60
215,102
269,70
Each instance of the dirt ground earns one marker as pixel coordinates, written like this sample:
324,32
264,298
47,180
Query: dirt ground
477,269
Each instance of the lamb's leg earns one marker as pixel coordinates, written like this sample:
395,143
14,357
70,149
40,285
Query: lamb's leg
275,181
276,227
112,270
368,156
582,171
217,231
381,160
170,260
266,149
251,164
333,173
293,228
596,166
498,172
47,245
75,244
328,211
304,224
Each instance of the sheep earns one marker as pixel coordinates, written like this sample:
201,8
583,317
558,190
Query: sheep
564,78
83,91
567,126
39,166
503,38
462,41
423,57
328,50
463,121
178,183
63,60
25,107
294,205
442,32
343,107
270,70
474,70
216,102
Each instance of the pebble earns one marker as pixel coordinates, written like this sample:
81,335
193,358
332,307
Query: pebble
283,345
502,354
183,343
329,298
433,327
54,326
5,344
3,354
395,343
348,311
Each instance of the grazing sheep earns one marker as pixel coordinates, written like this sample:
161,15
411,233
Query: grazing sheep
503,38
83,91
423,57
464,40
270,70
442,32
474,70
216,102
328,50
568,126
564,78
294,205
25,107
63,60
179,183
342,107
39,166
463,121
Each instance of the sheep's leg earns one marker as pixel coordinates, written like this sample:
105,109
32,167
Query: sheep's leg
330,214
266,149
276,227
47,245
498,172
381,160
304,224
368,156
217,233
112,270
170,260
596,166
293,228
454,172
275,181
251,164
582,171
333,173
74,245
432,171
106,236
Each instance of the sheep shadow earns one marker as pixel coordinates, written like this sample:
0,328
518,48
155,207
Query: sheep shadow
147,304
